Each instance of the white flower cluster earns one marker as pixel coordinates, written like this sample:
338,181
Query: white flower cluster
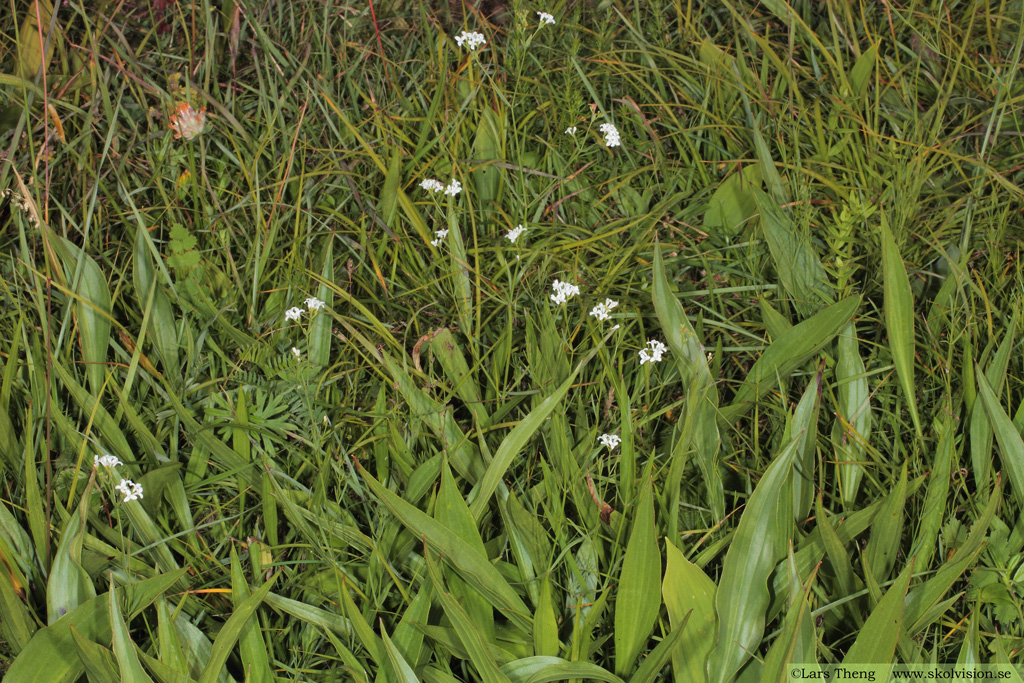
130,489
515,233
296,353
312,304
473,40
106,461
435,186
440,235
610,440
611,135
654,353
603,311
563,292
545,18
571,130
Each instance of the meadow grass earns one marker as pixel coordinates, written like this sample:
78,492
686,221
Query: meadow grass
795,439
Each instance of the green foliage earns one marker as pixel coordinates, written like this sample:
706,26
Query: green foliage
814,207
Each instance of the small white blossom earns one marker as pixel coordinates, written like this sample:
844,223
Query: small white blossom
187,122
603,311
432,185
654,353
472,39
440,235
563,292
454,187
107,461
515,233
610,440
571,130
545,18
615,327
296,353
293,313
130,489
611,134
314,304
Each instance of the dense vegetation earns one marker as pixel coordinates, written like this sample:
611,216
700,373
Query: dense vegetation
811,227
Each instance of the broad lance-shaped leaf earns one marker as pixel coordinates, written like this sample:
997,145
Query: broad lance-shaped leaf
474,568
796,262
899,319
687,590
758,544
1011,446
692,362
789,352
853,424
92,311
876,643
638,599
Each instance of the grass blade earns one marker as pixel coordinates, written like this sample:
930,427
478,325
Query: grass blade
876,643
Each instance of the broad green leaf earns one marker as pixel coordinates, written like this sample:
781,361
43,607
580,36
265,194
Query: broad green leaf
789,352
759,542
55,646
860,74
852,427
541,669
472,639
899,319
319,349
163,328
402,672
250,641
514,442
68,584
690,598
545,624
876,642
772,179
328,621
792,646
656,660
408,637
231,630
17,626
92,310
887,531
1011,446
121,643
732,204
528,541
476,570
692,362
100,665
638,600
804,428
488,145
933,513
796,262
448,353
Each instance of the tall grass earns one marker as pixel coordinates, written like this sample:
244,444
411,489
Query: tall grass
815,208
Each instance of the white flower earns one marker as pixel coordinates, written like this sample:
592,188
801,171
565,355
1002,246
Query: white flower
563,291
314,304
515,233
603,311
454,187
611,134
130,489
107,461
472,39
440,235
654,353
432,185
296,353
293,313
571,130
610,440
545,18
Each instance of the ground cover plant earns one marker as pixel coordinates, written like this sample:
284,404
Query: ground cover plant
619,341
